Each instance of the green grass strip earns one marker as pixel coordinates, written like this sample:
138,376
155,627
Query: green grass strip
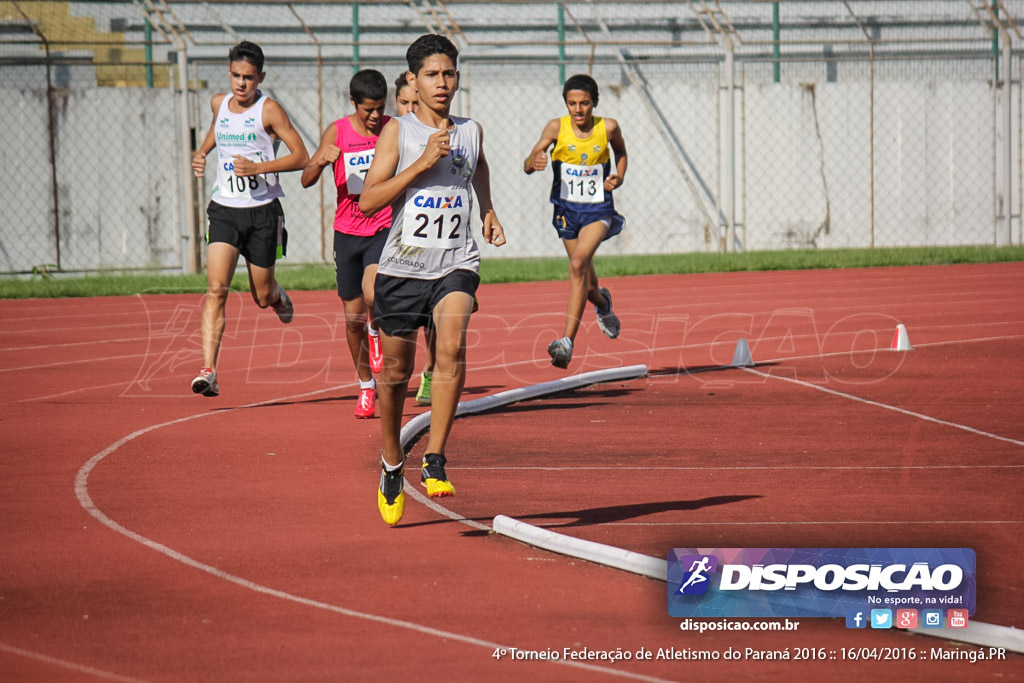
321,276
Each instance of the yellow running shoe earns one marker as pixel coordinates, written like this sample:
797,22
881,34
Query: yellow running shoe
434,477
390,496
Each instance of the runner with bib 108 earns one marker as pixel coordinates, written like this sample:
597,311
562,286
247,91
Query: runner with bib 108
245,215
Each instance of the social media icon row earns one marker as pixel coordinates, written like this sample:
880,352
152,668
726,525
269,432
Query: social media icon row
905,618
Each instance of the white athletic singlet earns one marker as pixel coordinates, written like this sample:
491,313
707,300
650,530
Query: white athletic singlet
244,135
430,225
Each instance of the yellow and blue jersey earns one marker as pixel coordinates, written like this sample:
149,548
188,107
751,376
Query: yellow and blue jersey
580,167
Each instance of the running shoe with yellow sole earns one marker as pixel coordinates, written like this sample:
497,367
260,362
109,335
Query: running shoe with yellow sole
391,496
434,477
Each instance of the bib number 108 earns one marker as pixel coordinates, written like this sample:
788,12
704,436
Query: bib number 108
239,185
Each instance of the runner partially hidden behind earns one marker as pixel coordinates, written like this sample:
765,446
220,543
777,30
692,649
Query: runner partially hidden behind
427,166
245,210
348,147
581,191
405,102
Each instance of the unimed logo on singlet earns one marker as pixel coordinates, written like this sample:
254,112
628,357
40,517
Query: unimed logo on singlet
235,138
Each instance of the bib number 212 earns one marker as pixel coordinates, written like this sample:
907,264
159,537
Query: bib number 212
436,232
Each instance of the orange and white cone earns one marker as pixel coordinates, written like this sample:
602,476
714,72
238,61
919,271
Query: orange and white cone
900,340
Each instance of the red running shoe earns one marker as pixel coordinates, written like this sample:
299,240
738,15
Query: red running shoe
376,353
366,406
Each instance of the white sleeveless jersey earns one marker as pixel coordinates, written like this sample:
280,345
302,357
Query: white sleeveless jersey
243,135
430,224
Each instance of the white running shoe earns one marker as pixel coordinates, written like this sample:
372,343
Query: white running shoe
560,351
205,383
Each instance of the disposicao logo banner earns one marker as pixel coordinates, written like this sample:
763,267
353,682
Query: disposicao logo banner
817,582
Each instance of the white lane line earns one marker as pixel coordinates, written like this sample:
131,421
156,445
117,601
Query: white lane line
68,393
667,468
851,522
882,333
65,664
832,354
886,406
534,361
85,500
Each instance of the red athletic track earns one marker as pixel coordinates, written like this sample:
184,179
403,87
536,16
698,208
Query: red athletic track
281,494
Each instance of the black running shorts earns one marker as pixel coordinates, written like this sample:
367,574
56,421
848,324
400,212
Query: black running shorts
353,254
256,231
403,305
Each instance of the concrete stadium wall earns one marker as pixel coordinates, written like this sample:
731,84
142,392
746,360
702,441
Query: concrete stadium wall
803,167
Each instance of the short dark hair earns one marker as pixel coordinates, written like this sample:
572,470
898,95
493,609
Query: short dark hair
368,84
249,52
401,82
581,82
426,46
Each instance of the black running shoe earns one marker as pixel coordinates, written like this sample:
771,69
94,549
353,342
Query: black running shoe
434,477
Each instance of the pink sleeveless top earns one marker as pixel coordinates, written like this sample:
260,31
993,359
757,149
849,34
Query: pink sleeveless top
349,171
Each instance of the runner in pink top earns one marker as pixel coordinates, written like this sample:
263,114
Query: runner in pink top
355,154
348,146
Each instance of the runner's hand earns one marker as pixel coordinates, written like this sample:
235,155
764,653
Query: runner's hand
331,154
539,161
493,232
244,167
198,164
611,182
438,146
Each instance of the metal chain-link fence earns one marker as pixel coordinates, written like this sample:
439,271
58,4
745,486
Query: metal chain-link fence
749,125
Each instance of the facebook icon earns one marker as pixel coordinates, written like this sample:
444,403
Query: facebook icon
856,619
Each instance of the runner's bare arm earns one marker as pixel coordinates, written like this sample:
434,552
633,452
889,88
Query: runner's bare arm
618,145
277,124
493,231
537,160
325,155
199,157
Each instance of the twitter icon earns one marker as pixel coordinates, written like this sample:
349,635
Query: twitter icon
881,618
